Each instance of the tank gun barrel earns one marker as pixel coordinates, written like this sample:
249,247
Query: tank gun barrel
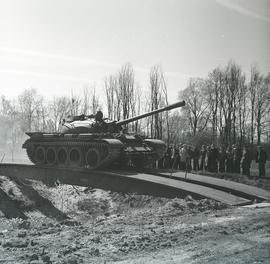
166,108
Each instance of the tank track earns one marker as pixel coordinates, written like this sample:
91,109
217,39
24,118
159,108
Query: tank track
108,149
30,154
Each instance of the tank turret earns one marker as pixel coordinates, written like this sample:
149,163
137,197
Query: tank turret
94,142
97,124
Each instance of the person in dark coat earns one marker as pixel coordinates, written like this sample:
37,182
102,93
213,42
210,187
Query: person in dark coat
190,157
203,156
208,159
196,155
261,158
229,160
246,161
237,155
168,158
184,158
213,159
222,159
176,157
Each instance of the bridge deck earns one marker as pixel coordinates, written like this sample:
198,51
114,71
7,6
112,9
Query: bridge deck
121,181
239,189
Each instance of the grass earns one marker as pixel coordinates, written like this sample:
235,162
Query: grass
252,180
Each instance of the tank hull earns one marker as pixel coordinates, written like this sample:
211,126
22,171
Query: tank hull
92,151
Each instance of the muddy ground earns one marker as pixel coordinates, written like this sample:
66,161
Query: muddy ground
66,224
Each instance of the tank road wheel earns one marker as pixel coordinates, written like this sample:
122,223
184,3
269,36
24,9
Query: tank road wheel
51,156
92,158
75,157
138,163
62,156
40,155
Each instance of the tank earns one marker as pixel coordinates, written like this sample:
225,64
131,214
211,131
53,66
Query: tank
95,142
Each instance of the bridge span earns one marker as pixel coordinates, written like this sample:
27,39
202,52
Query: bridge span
149,182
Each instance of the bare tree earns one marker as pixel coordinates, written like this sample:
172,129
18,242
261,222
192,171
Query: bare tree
40,121
110,85
117,96
197,105
230,91
255,81
95,103
242,109
29,102
75,105
262,105
59,108
165,91
214,84
136,109
86,100
158,98
266,119
125,89
10,132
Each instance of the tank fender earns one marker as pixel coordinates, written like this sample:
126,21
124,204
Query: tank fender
159,146
112,141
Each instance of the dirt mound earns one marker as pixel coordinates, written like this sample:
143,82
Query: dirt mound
67,224
190,205
33,198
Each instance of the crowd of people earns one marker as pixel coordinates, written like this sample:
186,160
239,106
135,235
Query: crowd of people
210,158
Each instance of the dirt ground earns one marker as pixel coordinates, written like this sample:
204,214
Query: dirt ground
66,224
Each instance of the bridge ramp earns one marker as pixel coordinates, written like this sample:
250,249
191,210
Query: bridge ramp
121,181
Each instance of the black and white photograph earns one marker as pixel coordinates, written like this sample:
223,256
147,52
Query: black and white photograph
134,131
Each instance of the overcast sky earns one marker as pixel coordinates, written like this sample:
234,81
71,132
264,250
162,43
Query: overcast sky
57,46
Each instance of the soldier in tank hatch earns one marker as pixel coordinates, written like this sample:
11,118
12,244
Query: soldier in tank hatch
100,125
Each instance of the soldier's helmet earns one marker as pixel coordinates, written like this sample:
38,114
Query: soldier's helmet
99,116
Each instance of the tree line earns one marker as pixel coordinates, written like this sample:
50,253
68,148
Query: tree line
224,108
228,106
